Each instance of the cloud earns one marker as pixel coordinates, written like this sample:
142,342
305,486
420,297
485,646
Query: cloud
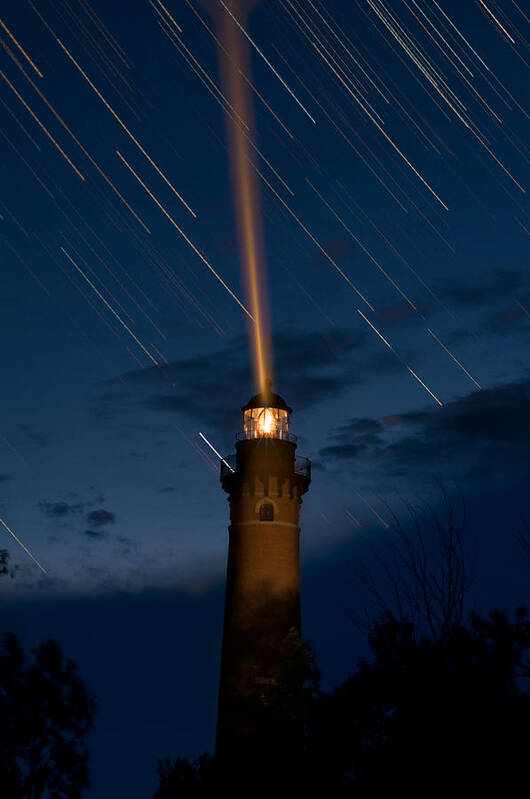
309,367
59,510
497,284
137,456
96,533
506,321
485,433
352,439
401,312
34,435
99,518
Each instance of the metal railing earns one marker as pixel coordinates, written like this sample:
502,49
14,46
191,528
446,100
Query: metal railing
279,434
228,465
302,466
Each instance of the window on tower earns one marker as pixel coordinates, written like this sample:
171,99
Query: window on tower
266,512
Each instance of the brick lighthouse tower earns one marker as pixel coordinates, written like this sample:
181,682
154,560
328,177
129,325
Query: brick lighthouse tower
265,482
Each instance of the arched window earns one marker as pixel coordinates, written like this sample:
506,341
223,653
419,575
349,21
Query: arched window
266,512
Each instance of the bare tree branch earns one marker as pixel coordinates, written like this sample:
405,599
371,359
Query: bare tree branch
419,572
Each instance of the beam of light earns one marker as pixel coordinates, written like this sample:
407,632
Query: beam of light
391,348
43,127
186,239
492,15
174,39
435,337
111,309
177,42
24,547
26,56
225,51
112,111
255,46
218,455
247,206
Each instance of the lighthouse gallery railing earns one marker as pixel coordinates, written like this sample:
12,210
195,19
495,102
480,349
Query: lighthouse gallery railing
302,465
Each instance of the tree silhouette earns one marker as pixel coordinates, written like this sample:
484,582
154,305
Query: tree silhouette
417,715
523,539
419,571
46,712
278,715
441,703
420,715
5,569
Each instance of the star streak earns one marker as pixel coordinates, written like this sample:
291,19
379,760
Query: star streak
255,46
113,112
391,348
186,239
24,547
111,309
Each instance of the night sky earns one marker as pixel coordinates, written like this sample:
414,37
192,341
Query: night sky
391,145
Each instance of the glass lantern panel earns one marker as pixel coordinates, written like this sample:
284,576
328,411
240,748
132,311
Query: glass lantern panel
266,423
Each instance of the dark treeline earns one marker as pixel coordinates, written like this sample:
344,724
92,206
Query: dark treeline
417,715
46,712
441,702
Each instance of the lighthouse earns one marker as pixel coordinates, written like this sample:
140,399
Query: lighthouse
265,481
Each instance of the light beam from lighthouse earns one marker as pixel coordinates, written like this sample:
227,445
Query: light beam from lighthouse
265,481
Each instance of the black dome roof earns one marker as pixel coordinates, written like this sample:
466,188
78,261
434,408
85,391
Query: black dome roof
267,399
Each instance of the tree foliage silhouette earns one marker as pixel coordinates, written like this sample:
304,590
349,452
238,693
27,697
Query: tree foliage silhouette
442,702
278,715
46,712
417,715
5,569
421,714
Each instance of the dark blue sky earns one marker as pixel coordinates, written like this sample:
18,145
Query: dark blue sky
102,473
